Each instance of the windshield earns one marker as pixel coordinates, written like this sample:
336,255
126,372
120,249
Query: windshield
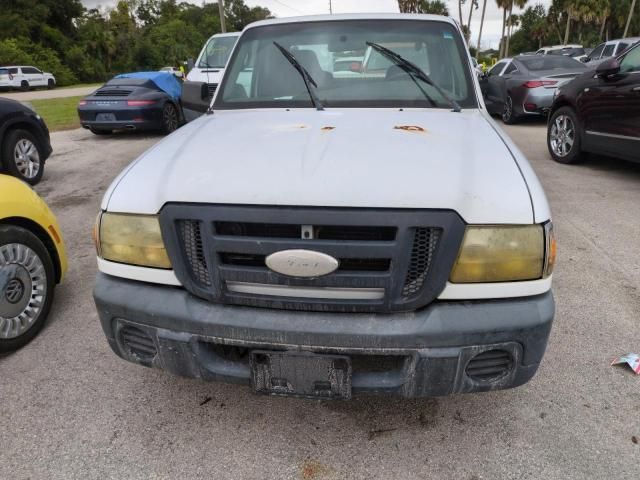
259,76
216,52
551,62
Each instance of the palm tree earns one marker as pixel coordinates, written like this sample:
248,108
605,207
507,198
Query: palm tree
585,11
513,21
503,4
626,28
474,3
435,7
484,7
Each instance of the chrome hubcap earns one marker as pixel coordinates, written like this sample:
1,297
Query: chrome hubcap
27,158
562,135
23,289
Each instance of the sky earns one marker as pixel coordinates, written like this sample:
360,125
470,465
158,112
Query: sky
288,8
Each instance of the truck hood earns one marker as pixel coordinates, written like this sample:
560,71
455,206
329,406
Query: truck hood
340,158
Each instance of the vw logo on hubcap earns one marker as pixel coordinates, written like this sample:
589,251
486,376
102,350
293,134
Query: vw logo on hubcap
14,291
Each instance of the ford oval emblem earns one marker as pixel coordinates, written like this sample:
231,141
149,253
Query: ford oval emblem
301,263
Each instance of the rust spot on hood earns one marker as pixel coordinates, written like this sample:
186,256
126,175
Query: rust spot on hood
410,128
326,129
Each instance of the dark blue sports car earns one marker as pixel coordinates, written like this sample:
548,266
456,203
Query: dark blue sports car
134,101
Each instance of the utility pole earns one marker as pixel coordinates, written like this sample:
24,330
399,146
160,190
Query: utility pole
330,8
221,7
626,28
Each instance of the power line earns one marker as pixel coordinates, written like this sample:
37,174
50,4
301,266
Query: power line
288,6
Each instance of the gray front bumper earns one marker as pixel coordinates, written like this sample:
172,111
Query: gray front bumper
433,345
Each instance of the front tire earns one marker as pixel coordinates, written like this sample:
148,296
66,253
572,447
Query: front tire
169,118
24,86
27,281
508,115
563,137
22,156
51,84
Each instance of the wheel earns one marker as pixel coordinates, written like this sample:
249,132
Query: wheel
24,86
98,131
22,157
563,137
26,286
169,118
508,115
51,84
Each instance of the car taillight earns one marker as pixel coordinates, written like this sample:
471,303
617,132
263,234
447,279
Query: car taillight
539,83
140,103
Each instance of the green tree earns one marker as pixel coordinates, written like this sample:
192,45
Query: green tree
435,7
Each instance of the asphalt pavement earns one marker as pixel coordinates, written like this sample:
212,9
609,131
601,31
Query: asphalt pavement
71,409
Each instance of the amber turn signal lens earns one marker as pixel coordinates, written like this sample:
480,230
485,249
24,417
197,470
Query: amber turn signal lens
551,249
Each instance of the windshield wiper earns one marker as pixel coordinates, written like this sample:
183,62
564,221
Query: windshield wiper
413,70
308,80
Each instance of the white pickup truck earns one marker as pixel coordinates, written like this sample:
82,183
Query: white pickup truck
319,235
205,76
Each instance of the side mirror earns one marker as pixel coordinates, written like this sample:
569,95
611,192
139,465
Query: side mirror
195,99
190,63
585,60
610,66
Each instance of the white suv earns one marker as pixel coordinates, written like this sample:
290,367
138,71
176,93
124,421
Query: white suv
25,78
318,235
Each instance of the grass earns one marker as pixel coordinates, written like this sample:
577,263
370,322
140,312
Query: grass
58,113
81,85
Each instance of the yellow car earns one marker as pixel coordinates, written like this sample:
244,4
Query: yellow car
32,261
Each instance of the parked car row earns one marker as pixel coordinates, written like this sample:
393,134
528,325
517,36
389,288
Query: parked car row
24,78
598,112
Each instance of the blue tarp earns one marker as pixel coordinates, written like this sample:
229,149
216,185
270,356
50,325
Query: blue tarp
165,81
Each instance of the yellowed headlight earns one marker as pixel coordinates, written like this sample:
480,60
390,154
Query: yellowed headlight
500,254
132,239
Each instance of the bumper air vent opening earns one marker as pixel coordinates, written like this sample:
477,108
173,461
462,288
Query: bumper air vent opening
490,365
138,343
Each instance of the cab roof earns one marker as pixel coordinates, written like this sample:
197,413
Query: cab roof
353,16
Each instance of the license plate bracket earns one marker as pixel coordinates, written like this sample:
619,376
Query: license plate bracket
106,117
301,374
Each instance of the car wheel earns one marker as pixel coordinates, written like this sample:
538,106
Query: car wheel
98,131
169,118
51,84
508,115
22,157
563,137
24,86
26,286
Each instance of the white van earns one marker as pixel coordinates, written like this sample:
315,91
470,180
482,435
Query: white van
209,68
